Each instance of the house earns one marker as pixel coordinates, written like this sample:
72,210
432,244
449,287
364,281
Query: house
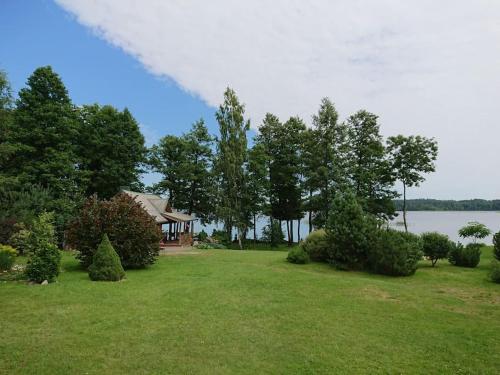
180,227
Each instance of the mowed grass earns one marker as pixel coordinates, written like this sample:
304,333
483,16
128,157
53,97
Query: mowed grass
251,312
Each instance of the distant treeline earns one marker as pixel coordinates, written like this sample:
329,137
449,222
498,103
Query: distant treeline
448,205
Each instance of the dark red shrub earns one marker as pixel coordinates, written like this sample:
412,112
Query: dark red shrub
131,230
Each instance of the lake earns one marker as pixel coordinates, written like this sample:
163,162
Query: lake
447,222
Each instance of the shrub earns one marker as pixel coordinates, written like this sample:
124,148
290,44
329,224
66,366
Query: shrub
7,257
496,245
202,236
297,255
350,232
474,230
131,230
316,246
436,246
106,265
210,245
221,236
495,271
20,240
467,256
273,233
395,253
44,263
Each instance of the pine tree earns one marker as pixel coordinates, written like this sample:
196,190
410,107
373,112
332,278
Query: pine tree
106,264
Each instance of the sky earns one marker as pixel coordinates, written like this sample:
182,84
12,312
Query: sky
424,67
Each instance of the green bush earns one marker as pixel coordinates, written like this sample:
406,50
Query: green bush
350,233
395,253
221,236
106,265
495,271
496,245
44,263
298,256
273,233
7,257
202,236
316,246
436,246
133,233
468,256
474,230
210,245
42,231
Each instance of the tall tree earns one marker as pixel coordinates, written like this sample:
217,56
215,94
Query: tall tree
111,148
7,148
231,157
329,163
411,157
370,171
257,184
46,132
186,165
283,145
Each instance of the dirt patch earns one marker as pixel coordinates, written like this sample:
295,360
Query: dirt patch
372,292
472,295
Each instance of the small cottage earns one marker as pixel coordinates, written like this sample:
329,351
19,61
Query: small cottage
178,228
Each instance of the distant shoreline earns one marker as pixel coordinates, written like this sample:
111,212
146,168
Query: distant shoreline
448,205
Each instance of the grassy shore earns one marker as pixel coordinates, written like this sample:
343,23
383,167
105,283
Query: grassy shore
250,312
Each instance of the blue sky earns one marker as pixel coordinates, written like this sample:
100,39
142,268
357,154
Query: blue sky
424,67
36,33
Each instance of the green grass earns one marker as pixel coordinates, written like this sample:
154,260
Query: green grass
251,312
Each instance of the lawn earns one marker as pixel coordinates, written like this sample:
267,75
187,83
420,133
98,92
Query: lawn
250,312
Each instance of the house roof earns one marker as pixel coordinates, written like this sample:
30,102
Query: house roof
156,206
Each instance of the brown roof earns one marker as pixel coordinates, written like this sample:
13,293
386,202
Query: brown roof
156,207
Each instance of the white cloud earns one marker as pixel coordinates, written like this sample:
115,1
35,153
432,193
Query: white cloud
426,67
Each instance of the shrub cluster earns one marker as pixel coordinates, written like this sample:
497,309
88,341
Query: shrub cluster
106,265
395,253
131,230
210,245
465,256
316,246
436,246
7,257
297,255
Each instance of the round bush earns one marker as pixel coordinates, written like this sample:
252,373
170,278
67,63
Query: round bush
496,245
131,230
495,271
435,246
273,233
316,246
7,257
395,253
350,233
44,263
468,256
106,265
298,256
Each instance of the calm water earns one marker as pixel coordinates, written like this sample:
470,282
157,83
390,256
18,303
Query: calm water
447,222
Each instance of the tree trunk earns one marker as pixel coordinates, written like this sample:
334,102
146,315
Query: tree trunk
291,232
298,230
254,228
239,239
288,232
404,207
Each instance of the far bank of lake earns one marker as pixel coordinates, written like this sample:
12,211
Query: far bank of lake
447,222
